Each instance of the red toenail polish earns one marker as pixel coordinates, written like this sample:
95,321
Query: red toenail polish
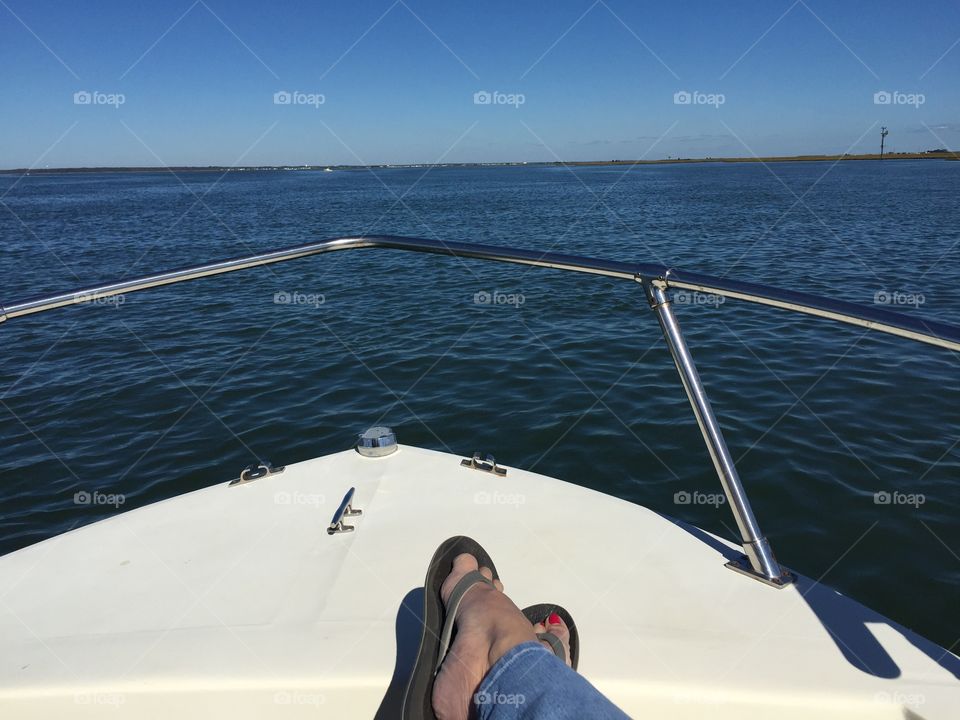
554,619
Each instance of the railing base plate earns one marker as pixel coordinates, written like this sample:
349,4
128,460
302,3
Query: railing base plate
742,566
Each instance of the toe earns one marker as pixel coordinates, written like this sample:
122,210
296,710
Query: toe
488,574
555,626
462,564
558,627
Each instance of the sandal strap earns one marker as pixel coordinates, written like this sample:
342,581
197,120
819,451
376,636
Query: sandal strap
555,643
453,605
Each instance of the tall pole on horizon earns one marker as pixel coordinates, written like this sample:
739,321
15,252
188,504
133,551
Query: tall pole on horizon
883,134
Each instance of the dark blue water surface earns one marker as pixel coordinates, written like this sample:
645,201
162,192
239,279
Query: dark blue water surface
180,387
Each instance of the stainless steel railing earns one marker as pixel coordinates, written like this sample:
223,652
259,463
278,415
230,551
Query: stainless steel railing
882,320
657,280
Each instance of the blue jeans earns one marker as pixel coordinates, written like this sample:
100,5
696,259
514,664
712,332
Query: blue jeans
531,682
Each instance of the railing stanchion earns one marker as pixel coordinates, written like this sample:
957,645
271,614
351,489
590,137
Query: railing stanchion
759,561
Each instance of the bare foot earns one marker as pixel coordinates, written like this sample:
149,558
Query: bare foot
488,626
554,624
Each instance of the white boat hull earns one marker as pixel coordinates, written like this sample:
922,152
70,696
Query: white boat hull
235,602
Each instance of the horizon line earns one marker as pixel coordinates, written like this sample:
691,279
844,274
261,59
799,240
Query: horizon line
816,157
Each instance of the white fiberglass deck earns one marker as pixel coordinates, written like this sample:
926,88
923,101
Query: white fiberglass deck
234,602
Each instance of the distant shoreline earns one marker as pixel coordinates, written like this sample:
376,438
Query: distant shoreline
573,163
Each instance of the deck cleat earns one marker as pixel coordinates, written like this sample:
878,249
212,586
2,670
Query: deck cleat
256,471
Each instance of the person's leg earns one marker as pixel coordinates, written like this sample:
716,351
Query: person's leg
498,667
531,682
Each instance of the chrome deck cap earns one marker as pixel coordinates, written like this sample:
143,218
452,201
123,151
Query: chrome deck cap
378,441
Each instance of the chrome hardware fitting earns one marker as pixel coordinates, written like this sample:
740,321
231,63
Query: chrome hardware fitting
761,562
256,471
743,566
346,509
486,464
377,441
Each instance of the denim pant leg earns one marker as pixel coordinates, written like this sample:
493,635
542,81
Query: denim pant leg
531,682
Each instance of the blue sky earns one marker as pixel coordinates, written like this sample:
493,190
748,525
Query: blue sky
194,83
